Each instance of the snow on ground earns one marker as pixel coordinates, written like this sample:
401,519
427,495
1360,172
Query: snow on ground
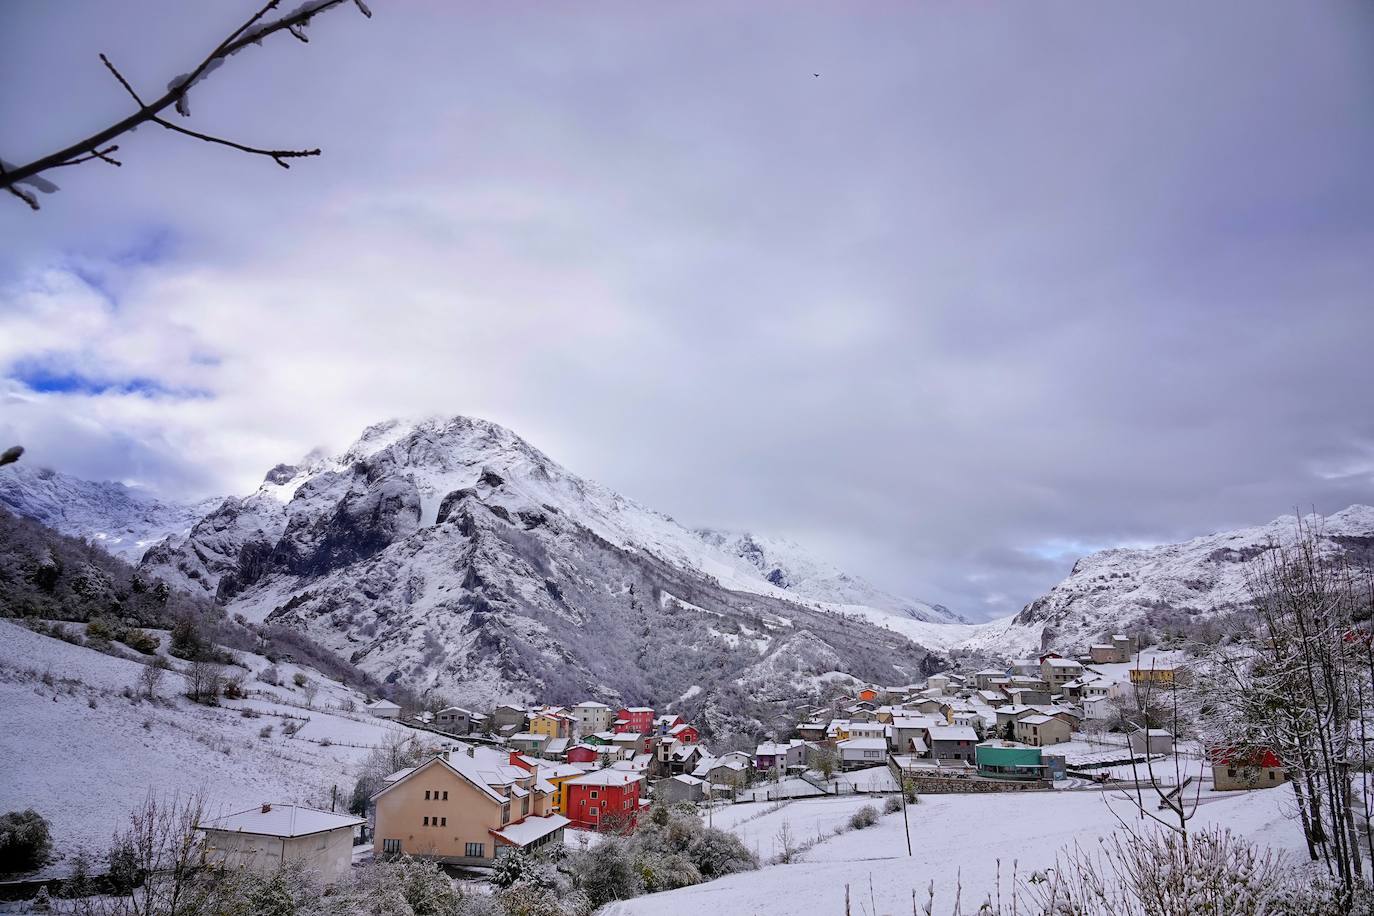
791,787
807,819
83,755
954,837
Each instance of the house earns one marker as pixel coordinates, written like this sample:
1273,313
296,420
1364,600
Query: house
1009,760
466,806
1097,708
635,742
868,695
938,682
1056,672
1028,696
907,734
681,788
557,748
685,733
1234,769
1041,730
1012,713
683,758
529,743
507,715
1107,654
811,731
867,730
384,709
992,697
599,739
638,720
262,840
772,755
951,742
1025,666
603,800
728,770
1152,741
583,753
1156,674
837,730
861,752
455,720
591,717
984,679
663,723
553,722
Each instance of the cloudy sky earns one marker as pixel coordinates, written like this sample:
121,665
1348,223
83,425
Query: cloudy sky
1006,282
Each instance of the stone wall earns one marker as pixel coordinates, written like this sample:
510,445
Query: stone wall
946,785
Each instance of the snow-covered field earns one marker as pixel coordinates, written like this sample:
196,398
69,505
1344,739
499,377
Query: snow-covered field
83,755
955,838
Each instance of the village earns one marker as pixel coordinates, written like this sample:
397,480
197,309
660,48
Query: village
516,778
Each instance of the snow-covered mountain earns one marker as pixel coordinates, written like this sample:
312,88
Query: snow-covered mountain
450,554
1157,588
123,520
790,567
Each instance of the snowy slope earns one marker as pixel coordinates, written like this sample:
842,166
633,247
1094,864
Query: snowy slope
67,733
791,567
123,520
958,841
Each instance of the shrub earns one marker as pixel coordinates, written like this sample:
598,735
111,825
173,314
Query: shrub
265,731
892,805
25,841
866,816
100,630
140,640
299,679
270,675
233,689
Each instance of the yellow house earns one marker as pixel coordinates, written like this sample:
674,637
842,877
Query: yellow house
554,723
467,806
838,730
1159,675
556,774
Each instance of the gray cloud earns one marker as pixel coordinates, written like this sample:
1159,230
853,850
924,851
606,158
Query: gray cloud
1003,281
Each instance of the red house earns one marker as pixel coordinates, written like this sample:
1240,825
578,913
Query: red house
582,753
685,733
603,800
637,720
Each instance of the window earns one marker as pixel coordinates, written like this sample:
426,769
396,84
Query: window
426,822
1272,775
524,806
1231,771
593,793
593,811
391,847
505,813
446,795
443,822
475,850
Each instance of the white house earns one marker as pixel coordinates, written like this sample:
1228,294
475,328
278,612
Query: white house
1152,741
384,709
1099,707
264,839
862,752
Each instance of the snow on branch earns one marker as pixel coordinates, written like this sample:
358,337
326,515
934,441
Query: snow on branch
177,97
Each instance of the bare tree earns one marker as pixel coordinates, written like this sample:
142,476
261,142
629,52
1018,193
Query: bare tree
11,454
1297,686
176,97
150,678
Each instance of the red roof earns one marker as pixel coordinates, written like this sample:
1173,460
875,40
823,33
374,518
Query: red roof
1245,757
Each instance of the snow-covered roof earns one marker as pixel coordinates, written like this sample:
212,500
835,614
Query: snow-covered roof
591,704
1038,720
382,704
1062,663
638,709
862,744
609,777
687,780
531,829
953,733
282,821
398,775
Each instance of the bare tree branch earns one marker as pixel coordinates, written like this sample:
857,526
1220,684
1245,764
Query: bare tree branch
95,146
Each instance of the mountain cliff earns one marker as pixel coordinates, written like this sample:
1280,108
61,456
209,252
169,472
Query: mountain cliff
451,555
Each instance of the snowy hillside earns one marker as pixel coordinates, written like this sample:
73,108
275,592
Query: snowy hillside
789,566
123,520
1156,587
450,554
68,731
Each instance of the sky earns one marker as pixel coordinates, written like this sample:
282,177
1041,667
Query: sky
950,293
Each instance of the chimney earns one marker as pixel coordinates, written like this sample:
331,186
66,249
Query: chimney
472,751
266,807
